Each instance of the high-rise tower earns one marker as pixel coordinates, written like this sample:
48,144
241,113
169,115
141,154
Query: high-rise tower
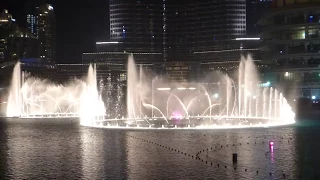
42,24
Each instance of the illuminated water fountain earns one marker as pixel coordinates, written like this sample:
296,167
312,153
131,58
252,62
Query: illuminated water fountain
218,102
31,97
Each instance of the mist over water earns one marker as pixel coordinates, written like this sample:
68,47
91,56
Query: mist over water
31,97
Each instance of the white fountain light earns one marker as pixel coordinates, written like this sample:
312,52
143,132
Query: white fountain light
181,88
163,89
286,74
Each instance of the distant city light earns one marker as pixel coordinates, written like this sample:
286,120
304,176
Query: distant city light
111,42
254,97
50,7
163,89
241,39
216,95
286,74
192,88
313,97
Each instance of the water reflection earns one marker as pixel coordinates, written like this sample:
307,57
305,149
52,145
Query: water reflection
4,173
37,149
103,154
40,149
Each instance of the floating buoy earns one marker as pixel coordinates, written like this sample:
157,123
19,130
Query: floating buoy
234,158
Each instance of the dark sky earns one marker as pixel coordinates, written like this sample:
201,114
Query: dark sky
79,24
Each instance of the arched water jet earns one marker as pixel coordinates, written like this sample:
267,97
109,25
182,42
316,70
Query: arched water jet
209,108
56,102
71,106
209,99
191,101
181,103
151,106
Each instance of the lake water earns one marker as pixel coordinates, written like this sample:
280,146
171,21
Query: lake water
43,149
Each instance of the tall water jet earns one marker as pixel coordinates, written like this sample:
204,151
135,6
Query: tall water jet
132,91
119,99
14,99
140,92
92,108
241,71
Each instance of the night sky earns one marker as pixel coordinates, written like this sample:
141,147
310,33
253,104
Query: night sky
80,23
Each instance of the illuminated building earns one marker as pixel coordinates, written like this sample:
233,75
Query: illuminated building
6,26
176,37
255,10
292,37
42,24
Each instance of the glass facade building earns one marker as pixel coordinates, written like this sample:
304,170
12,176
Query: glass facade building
176,36
42,24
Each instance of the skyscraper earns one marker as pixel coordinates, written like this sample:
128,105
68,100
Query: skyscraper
255,10
192,32
176,29
42,24
15,42
6,26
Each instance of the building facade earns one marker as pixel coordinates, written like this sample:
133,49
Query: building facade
190,34
255,10
16,42
42,24
292,39
6,27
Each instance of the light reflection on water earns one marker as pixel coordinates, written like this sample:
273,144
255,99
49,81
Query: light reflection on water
40,149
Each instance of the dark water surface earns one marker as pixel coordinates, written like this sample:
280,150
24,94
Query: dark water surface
43,149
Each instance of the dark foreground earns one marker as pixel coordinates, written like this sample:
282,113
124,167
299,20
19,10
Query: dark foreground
40,149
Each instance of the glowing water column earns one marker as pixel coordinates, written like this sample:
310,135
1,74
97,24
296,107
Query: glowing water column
14,100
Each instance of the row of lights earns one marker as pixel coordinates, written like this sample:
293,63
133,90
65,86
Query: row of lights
119,53
227,50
